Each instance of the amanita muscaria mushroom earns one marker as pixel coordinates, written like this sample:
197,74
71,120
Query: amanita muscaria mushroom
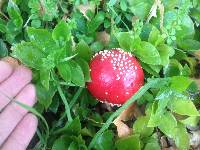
116,75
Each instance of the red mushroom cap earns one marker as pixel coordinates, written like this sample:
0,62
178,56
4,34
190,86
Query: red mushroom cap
116,75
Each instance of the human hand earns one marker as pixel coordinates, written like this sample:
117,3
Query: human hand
17,126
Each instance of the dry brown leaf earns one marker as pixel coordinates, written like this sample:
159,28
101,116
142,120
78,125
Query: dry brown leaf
122,129
12,61
103,37
195,139
153,12
84,8
170,148
197,54
163,142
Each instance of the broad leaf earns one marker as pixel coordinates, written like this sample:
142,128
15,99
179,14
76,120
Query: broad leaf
62,143
14,14
77,74
165,52
167,124
181,137
129,143
45,96
140,126
176,80
183,107
2,26
125,39
189,44
174,68
29,53
45,78
105,141
148,54
64,70
62,33
85,68
83,50
3,49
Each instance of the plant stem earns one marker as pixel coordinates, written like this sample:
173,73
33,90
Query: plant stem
74,99
136,96
67,108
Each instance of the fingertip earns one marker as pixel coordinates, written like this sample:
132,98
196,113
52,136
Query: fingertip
5,70
31,120
24,71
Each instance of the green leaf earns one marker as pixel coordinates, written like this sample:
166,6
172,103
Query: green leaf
186,71
140,126
148,69
97,46
2,26
189,44
140,8
45,96
96,22
85,68
155,37
129,143
36,23
3,49
187,28
148,53
191,121
156,68
29,53
195,14
181,137
175,83
105,141
62,33
152,143
179,106
41,36
123,5
73,146
168,124
70,128
112,2
14,14
155,117
45,78
62,143
165,52
77,74
47,10
180,55
83,50
174,68
125,40
64,70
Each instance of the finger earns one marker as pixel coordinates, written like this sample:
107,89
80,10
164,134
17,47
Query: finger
13,85
5,70
13,113
22,135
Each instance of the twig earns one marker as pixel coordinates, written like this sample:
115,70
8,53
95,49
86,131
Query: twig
2,14
157,4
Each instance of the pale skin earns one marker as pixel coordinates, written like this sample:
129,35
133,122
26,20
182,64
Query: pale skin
17,126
